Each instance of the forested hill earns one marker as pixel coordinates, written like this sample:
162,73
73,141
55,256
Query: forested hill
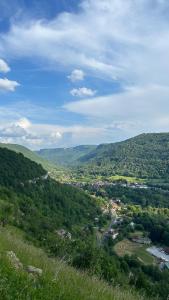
146,155
66,156
16,168
29,154
44,203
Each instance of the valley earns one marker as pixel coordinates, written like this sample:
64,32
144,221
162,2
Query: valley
112,226
84,150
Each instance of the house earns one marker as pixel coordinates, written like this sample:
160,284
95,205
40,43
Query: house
132,224
141,240
112,233
115,235
159,253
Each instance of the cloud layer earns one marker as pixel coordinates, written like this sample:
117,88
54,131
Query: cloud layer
37,135
121,41
130,38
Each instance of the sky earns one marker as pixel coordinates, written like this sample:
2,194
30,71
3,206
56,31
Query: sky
76,72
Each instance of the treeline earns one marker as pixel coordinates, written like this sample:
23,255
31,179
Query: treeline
157,224
144,197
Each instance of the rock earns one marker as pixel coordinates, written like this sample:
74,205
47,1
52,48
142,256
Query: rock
33,270
64,234
14,260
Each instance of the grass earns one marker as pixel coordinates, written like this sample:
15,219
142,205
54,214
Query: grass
130,248
59,281
95,178
127,178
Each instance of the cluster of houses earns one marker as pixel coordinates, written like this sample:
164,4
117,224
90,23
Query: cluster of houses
135,185
112,206
100,184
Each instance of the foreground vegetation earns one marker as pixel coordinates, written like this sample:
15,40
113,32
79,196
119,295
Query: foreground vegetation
58,281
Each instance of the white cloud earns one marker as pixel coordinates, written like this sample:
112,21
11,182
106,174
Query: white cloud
76,75
82,92
17,132
43,135
12,131
4,68
56,135
8,85
144,107
131,42
24,123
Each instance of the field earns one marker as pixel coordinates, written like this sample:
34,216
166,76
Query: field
126,178
131,248
88,178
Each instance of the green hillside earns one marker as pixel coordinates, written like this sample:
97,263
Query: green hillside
46,202
15,168
29,154
56,171
144,156
65,156
58,281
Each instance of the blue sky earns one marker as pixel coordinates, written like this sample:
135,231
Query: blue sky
82,72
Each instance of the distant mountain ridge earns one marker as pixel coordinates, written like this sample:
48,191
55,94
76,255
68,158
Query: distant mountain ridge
144,156
66,156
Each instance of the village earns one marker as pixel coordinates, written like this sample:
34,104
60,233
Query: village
137,243
101,184
134,242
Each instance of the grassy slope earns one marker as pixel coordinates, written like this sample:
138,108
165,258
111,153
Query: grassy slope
66,156
59,281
